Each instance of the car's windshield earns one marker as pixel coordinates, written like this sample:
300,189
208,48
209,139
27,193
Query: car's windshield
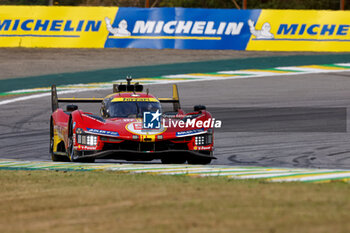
132,109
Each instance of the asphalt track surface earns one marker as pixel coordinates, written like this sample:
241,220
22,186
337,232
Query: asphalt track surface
24,125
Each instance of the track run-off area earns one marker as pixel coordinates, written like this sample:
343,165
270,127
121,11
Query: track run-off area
178,78
235,172
304,155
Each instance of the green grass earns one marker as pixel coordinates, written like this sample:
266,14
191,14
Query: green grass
48,201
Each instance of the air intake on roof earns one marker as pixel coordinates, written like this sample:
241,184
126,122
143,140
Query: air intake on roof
136,87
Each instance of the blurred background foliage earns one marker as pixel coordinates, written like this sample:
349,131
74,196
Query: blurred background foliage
252,4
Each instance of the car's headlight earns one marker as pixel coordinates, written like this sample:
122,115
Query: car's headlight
204,139
89,140
200,140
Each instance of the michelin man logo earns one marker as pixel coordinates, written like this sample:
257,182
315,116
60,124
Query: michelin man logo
121,30
264,33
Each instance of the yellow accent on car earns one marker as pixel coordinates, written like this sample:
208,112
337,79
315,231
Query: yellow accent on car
128,99
148,138
56,140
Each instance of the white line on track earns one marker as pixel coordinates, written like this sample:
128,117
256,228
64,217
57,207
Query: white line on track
44,95
204,78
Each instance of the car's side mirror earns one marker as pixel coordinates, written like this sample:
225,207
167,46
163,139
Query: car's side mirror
107,113
104,113
71,107
198,108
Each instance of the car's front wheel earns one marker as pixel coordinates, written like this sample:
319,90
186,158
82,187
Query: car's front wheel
72,153
201,160
169,159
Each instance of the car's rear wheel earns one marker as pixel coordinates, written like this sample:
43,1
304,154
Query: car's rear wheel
55,157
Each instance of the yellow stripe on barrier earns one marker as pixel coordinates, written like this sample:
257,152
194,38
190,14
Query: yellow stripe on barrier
300,30
54,26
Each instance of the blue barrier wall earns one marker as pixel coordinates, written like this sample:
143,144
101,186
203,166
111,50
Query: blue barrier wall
181,28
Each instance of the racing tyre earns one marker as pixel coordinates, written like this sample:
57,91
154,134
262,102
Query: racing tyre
200,160
86,160
173,160
54,157
73,154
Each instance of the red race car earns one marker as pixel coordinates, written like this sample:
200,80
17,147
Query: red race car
131,127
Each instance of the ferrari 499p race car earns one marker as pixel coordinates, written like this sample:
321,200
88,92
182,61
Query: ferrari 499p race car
131,127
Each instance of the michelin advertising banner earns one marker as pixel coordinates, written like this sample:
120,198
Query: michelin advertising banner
301,30
181,28
174,28
57,27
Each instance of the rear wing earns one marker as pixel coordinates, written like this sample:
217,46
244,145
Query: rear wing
55,100
175,100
